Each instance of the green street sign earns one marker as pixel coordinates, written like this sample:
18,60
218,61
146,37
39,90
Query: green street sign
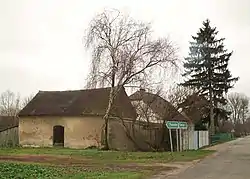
176,125
172,124
183,125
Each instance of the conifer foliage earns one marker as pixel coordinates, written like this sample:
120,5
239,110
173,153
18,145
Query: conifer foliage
206,68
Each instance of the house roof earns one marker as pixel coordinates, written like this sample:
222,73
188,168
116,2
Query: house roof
194,100
194,106
158,105
7,122
78,103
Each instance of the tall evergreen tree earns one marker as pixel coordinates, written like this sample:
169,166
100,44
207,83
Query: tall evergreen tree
206,68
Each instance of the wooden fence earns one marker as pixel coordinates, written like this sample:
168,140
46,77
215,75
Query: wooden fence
194,140
135,135
9,137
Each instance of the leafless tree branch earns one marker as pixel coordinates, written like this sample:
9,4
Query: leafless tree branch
123,52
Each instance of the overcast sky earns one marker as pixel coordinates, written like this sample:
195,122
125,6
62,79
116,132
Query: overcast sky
41,40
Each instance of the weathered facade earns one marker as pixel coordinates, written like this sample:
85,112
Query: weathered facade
79,132
83,132
70,118
74,119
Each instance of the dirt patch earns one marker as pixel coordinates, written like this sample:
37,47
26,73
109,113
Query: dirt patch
178,168
86,164
137,167
57,160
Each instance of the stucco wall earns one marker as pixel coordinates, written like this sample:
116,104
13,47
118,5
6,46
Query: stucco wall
79,132
83,132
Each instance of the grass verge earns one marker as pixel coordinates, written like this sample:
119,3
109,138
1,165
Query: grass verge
114,156
74,163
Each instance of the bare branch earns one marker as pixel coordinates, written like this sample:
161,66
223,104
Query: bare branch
125,47
124,52
9,103
26,100
238,106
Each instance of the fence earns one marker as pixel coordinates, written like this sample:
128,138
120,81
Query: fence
194,140
9,137
9,134
134,135
221,137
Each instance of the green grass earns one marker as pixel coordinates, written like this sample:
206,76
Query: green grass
31,171
80,164
115,156
106,175
191,155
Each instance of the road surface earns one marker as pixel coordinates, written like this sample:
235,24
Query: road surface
231,162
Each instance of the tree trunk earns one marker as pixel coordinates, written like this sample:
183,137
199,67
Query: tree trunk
106,119
107,113
211,114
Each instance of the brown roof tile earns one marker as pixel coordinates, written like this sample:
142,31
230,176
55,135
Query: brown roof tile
194,100
77,103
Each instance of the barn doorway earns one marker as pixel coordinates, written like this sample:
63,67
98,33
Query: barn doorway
58,136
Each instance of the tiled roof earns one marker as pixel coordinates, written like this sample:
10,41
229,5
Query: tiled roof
158,105
78,103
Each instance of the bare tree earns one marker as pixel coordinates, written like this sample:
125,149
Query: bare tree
26,100
238,105
178,94
244,108
123,52
9,103
226,126
153,111
234,104
247,125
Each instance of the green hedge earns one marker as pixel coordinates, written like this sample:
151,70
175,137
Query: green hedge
222,137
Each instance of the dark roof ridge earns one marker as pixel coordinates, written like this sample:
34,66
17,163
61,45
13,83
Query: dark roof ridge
78,103
80,90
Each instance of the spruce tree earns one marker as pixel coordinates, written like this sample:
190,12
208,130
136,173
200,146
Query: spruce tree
206,69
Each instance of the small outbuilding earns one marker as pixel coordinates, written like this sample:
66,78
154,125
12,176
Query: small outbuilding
70,118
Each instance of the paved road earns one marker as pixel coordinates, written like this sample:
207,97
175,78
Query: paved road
232,162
